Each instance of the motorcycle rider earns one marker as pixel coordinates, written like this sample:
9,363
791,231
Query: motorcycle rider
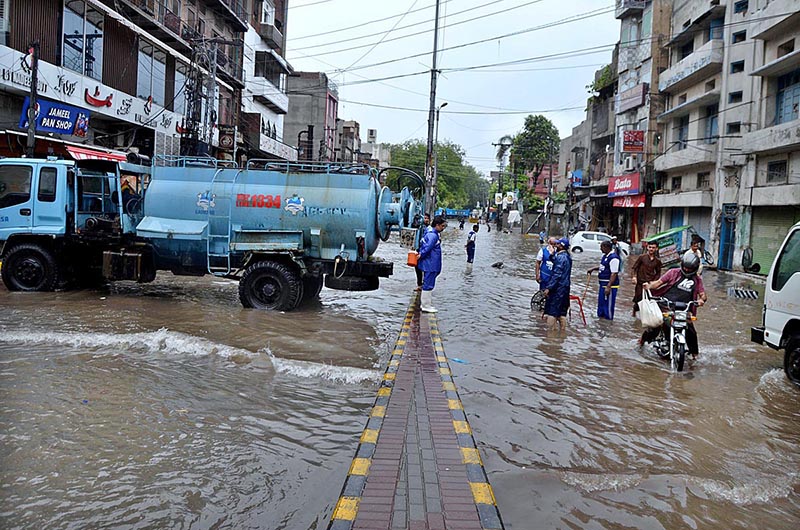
679,285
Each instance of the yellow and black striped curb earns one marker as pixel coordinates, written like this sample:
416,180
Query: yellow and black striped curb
470,456
347,507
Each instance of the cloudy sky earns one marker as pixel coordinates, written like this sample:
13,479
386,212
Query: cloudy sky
500,61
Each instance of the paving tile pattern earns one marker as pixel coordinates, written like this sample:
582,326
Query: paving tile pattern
417,466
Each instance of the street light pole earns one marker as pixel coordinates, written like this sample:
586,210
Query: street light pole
430,203
435,178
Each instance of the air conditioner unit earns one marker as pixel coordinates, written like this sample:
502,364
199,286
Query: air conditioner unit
630,163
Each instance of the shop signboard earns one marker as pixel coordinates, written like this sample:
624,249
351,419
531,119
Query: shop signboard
55,117
633,141
627,184
629,201
70,88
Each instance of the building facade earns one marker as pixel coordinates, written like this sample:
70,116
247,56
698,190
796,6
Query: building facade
312,119
123,74
265,101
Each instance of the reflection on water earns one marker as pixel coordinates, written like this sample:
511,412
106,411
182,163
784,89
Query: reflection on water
169,406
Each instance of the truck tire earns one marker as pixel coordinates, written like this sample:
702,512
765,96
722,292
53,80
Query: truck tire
270,285
30,267
352,283
791,361
312,285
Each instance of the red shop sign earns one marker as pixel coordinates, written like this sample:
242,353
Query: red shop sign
627,184
633,141
629,201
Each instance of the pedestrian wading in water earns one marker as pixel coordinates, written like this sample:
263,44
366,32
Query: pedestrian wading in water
430,262
558,286
470,246
426,225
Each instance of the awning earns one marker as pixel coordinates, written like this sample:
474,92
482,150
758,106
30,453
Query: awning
83,153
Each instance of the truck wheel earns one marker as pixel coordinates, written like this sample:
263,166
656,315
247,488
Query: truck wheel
30,267
312,285
791,361
352,283
270,285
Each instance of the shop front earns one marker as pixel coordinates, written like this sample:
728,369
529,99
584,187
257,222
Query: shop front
628,203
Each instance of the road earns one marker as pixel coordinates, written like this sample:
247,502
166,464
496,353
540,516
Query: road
169,406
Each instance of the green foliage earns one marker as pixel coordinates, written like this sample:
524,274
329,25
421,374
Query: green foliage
536,145
459,185
561,196
606,78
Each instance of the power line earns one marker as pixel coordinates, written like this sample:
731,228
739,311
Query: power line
416,25
382,38
362,24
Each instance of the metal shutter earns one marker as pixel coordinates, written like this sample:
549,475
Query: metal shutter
769,228
700,219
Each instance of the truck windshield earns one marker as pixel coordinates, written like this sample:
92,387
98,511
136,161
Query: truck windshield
788,262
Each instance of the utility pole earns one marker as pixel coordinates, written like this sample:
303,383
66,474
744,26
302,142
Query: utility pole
436,147
548,206
430,179
33,51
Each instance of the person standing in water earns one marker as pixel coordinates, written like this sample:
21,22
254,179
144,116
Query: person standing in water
558,286
470,246
426,225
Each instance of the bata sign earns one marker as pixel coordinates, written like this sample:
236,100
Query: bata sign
629,201
627,184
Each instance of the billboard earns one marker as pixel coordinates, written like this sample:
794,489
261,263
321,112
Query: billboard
633,141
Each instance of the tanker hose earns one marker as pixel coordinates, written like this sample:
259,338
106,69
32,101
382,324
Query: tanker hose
342,257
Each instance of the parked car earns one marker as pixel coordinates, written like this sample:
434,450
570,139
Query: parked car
780,326
590,242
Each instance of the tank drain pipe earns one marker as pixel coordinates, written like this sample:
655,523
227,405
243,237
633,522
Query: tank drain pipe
341,258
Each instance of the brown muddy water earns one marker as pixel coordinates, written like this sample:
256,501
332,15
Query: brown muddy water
169,406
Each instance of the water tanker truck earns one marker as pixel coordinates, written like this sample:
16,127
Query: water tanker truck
280,229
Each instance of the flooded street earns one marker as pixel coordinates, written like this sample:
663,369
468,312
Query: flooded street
168,405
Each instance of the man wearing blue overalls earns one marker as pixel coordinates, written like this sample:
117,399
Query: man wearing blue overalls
609,281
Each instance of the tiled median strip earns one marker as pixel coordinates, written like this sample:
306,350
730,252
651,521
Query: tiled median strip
417,465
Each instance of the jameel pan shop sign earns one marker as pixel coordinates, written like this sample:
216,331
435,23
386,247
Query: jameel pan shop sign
56,118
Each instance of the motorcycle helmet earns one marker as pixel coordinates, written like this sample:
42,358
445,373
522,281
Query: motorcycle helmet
689,264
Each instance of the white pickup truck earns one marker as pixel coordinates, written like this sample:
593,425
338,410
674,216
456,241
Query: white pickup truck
781,313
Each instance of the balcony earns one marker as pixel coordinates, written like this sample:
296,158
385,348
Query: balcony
703,63
684,109
780,195
699,14
271,35
629,7
684,199
694,154
229,63
776,139
776,18
231,10
781,65
154,17
268,94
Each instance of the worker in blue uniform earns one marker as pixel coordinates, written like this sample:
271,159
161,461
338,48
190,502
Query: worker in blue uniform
609,269
558,286
430,262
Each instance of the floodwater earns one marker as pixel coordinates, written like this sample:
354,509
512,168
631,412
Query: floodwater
169,406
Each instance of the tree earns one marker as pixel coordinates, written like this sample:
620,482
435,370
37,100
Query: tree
537,145
459,184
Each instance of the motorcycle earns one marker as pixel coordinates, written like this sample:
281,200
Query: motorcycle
677,318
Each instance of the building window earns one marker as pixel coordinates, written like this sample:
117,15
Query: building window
788,97
676,183
711,85
735,97
682,133
703,180
734,127
686,50
737,66
151,77
786,48
82,46
179,98
776,172
267,13
715,29
712,124
741,6
681,99
739,36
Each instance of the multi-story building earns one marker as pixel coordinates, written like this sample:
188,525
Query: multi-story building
757,185
313,113
117,73
641,57
380,154
264,100
689,126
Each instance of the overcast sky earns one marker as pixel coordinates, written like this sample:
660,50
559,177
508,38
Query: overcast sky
477,98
